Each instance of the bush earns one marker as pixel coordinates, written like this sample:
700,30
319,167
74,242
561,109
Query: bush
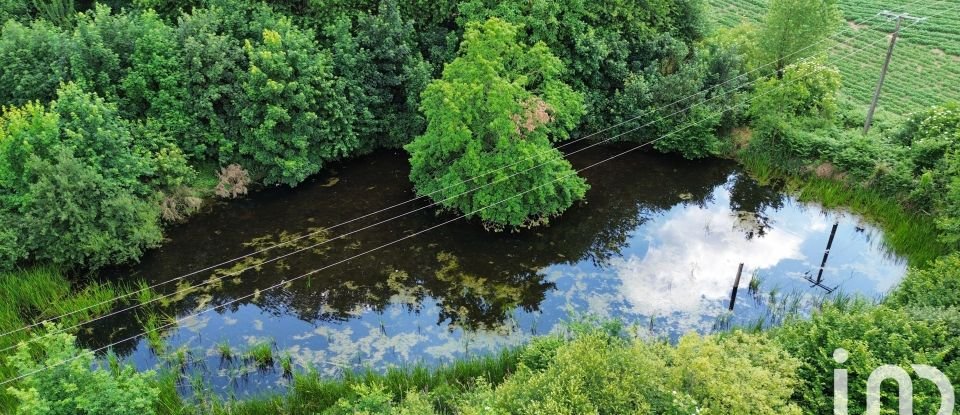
214,61
602,374
58,380
807,89
293,107
82,185
374,399
873,336
497,108
32,62
937,285
384,72
73,215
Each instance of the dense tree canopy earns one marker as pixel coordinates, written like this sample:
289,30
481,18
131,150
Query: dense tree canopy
294,107
80,181
794,29
497,108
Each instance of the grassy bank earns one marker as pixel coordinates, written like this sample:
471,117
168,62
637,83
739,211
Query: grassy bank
39,293
911,235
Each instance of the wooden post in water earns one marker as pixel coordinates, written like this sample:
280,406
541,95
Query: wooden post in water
826,253
736,284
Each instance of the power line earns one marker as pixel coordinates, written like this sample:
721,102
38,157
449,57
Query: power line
900,17
286,281
310,234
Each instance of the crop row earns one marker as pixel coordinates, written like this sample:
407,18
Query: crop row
926,64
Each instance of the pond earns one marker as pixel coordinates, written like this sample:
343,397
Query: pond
657,243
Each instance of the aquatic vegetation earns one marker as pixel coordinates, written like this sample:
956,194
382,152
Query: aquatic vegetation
225,351
261,353
286,364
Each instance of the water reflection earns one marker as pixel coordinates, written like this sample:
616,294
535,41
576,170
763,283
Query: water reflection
658,240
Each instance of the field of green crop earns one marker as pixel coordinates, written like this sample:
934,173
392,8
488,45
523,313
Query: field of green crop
925,69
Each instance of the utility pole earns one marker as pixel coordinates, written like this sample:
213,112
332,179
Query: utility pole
886,62
736,284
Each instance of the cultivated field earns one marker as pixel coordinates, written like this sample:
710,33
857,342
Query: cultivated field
926,64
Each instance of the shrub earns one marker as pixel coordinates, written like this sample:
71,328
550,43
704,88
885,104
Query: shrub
214,61
81,183
498,107
32,62
873,336
937,285
603,374
292,105
374,399
807,89
384,72
73,215
58,380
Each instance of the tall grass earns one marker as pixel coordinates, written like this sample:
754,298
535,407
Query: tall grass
38,293
911,235
311,392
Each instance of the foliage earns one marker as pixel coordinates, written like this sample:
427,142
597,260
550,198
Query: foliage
213,63
60,12
154,87
100,50
794,29
296,115
385,74
597,373
601,44
937,285
873,336
32,62
80,181
17,10
806,89
498,107
375,399
688,125
52,387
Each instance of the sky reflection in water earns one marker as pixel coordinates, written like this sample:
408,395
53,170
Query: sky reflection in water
660,250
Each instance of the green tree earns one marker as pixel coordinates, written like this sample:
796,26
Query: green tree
18,10
687,126
385,75
154,87
32,62
74,216
293,107
793,30
213,63
602,44
58,380
100,50
82,186
498,106
806,89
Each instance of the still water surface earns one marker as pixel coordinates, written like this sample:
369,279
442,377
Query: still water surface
657,243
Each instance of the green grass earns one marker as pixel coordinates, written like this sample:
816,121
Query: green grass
313,393
226,352
910,235
926,65
261,353
39,293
